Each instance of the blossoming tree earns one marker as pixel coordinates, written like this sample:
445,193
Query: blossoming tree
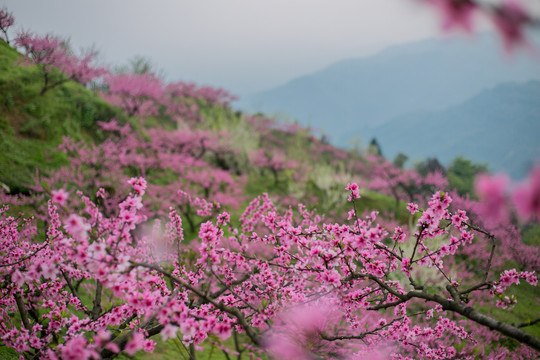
55,61
94,286
6,21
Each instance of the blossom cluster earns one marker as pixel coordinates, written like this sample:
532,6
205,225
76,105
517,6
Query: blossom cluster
51,52
497,196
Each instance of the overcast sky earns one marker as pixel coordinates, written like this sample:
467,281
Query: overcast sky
242,45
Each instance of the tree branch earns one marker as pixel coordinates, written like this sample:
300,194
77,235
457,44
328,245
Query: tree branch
229,310
22,310
529,323
459,308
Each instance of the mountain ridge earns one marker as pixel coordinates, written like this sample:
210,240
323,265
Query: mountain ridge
511,112
360,93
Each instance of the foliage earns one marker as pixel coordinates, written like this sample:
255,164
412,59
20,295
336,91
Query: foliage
400,160
374,148
430,165
461,174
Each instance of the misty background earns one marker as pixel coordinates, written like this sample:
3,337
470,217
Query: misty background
244,46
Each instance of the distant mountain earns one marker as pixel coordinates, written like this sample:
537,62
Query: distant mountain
347,98
500,126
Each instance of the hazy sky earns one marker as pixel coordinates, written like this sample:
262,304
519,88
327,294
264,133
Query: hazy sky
242,45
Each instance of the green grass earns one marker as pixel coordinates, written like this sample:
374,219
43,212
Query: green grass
33,125
526,309
531,234
8,353
173,349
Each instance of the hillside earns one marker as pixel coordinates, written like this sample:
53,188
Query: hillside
499,126
348,98
46,139
32,126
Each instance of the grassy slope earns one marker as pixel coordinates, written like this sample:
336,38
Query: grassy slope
32,126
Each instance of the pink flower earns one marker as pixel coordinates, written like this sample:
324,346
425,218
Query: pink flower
355,194
18,278
331,277
509,20
101,193
296,334
491,190
76,349
223,331
149,345
135,344
412,207
406,266
526,197
76,226
188,328
531,278
169,331
102,337
113,347
139,185
223,218
399,235
459,217
456,14
48,271
60,196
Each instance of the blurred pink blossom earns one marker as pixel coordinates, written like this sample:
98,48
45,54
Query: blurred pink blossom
491,191
526,196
